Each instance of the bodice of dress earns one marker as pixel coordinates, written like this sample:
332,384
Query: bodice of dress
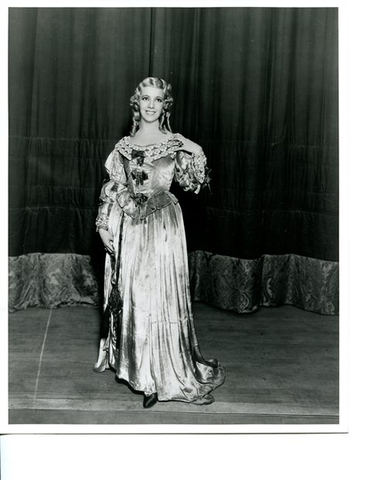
150,168
140,177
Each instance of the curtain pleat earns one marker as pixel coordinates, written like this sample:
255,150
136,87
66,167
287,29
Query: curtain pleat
70,74
272,280
52,281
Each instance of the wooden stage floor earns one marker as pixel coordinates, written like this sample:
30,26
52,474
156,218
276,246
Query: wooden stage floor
282,367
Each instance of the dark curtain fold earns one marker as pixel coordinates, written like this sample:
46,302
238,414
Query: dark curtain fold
256,87
70,74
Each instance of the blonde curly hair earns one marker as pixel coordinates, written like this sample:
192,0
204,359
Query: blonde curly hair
168,101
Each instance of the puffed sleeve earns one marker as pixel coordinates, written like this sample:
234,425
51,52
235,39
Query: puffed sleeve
112,190
191,170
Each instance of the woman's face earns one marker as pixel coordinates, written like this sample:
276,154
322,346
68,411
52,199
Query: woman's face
151,102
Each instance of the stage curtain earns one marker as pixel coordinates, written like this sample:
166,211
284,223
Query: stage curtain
256,87
234,284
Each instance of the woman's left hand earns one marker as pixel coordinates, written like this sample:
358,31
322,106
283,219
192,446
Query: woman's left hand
188,145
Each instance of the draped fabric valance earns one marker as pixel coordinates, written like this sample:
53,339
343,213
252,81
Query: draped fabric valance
242,286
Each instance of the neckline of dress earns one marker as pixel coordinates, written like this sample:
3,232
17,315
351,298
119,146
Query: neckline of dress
127,139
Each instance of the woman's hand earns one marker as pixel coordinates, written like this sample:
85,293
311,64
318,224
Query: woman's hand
188,145
107,240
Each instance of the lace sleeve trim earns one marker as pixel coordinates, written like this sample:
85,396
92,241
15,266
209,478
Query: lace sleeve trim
191,171
101,222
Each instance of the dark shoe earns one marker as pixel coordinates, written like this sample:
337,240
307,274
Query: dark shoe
149,401
205,400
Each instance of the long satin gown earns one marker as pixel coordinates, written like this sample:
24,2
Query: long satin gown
149,338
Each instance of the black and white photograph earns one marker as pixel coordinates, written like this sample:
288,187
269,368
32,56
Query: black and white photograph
185,244
173,216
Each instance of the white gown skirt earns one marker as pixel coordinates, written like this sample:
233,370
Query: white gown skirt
151,341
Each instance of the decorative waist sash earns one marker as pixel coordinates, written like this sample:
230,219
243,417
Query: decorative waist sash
137,205
156,202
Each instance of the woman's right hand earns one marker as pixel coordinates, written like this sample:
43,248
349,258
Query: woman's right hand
107,240
187,144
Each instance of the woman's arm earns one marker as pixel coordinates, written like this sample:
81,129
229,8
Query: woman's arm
107,240
188,145
108,196
191,171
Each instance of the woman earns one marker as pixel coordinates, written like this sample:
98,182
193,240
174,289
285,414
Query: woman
148,336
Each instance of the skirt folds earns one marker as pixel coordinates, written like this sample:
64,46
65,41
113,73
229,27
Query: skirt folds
152,344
